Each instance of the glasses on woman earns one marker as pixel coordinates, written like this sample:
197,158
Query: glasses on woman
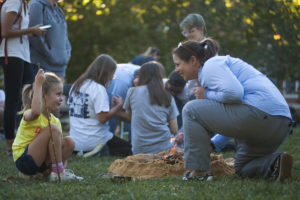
189,31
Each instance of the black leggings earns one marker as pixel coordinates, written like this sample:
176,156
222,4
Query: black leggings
16,73
118,146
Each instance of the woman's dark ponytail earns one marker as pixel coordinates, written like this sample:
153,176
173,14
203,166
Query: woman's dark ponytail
203,51
209,48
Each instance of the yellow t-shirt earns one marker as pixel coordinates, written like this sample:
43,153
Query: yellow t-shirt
28,130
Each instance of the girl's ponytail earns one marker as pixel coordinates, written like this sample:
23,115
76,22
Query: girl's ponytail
27,94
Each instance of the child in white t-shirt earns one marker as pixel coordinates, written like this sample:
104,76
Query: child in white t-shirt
89,110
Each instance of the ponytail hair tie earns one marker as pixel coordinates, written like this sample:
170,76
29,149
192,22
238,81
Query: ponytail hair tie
186,48
205,47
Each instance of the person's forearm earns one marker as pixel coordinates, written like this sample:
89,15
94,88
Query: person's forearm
173,126
36,104
105,116
114,110
16,33
123,116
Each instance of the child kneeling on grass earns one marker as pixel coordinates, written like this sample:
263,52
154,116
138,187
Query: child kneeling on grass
33,149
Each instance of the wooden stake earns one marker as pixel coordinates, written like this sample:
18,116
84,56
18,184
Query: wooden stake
51,139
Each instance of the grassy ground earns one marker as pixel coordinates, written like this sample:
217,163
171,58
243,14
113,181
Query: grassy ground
95,187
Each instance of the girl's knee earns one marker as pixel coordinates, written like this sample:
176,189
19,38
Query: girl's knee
55,128
68,142
53,131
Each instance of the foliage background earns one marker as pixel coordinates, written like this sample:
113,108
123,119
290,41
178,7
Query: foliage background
263,33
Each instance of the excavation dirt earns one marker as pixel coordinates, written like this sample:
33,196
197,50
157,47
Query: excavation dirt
167,163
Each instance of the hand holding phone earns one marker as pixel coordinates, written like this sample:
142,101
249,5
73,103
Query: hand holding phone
45,27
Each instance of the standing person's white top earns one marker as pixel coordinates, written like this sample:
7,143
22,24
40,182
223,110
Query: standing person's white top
2,95
85,128
14,46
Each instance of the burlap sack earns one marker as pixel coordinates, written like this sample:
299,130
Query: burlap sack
146,166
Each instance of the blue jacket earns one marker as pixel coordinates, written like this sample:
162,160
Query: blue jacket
52,51
140,60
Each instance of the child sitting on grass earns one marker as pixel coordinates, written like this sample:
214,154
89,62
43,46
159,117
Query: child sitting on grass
151,110
89,110
38,141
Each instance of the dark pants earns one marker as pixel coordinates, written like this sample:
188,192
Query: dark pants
16,73
113,124
118,146
179,105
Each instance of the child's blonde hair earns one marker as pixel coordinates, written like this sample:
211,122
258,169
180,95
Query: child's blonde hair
51,80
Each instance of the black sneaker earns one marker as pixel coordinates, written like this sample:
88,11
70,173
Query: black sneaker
204,177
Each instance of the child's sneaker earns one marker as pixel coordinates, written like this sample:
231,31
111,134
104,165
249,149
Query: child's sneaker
66,175
204,177
96,150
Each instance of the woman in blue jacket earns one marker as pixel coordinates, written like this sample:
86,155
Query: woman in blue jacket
237,101
52,51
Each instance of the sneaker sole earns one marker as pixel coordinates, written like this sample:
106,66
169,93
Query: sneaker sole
96,150
285,170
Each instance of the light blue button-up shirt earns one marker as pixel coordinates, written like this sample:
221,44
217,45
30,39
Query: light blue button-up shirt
231,80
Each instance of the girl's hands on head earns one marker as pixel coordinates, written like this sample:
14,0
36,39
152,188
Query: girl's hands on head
199,92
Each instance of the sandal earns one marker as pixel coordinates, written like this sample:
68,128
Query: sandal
202,177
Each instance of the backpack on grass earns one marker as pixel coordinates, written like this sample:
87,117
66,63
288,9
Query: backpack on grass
18,19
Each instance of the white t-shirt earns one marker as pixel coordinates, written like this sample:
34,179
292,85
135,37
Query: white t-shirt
85,128
2,95
14,47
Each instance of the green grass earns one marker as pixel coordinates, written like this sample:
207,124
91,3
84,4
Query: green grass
95,187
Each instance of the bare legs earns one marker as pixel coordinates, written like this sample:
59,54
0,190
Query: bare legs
41,148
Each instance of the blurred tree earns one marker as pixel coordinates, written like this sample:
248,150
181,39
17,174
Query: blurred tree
263,33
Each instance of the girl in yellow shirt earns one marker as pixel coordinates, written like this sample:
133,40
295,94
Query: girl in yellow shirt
32,148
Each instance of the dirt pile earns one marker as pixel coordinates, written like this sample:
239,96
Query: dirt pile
167,163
